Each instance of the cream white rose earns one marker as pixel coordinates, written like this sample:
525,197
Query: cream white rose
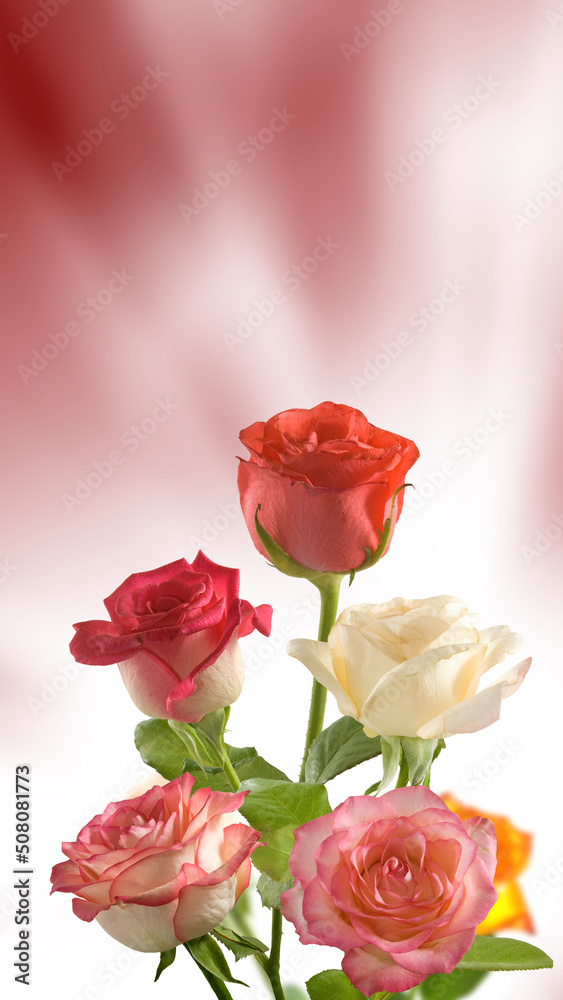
413,668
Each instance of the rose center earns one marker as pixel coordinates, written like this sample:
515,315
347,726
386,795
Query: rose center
394,875
162,604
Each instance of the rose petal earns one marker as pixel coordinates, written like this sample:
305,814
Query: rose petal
372,970
201,908
142,928
325,921
148,681
292,910
317,658
419,689
441,955
482,832
479,711
359,809
308,838
85,910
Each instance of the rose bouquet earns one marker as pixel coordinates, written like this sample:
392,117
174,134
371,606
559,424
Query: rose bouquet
400,880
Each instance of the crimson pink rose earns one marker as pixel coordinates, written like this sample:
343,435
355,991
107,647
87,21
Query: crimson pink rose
160,869
324,479
174,633
398,882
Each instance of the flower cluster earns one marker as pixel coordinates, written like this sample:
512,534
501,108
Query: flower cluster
400,880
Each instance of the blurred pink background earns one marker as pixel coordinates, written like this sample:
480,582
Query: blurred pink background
169,172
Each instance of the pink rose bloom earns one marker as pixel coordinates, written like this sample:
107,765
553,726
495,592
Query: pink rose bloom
174,632
160,869
399,883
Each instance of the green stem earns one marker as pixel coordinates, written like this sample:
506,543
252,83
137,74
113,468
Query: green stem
230,772
403,778
329,609
273,965
217,985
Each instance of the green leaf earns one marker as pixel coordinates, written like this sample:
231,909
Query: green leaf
257,767
459,983
372,788
240,945
293,992
247,764
498,954
276,809
160,747
338,748
166,959
207,953
270,891
168,751
332,985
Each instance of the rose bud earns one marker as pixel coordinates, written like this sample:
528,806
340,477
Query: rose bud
398,883
324,480
412,668
174,633
162,868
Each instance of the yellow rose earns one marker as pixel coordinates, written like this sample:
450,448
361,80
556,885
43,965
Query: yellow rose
413,667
